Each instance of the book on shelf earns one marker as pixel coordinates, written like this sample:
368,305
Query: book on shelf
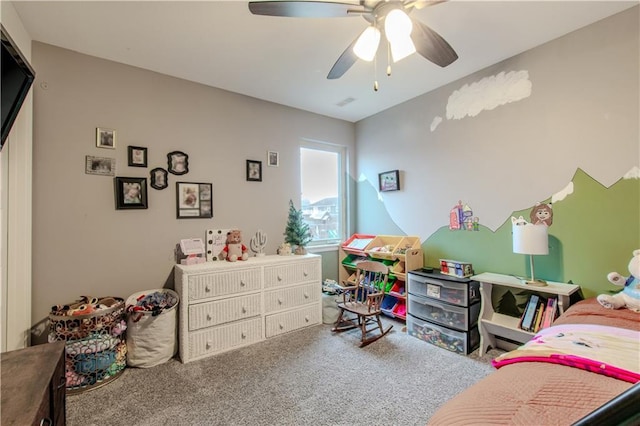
529,312
539,314
550,312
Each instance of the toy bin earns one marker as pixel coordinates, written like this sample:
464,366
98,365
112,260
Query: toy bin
93,330
405,244
388,304
357,243
151,327
400,310
383,246
455,341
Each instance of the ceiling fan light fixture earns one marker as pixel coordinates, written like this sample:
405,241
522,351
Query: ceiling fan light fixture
400,49
397,25
367,44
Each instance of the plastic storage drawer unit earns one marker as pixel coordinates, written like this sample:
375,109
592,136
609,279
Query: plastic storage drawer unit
457,317
456,341
457,291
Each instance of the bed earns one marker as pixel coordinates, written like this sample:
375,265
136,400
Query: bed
533,389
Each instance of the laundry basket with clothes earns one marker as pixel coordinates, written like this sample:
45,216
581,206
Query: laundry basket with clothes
151,327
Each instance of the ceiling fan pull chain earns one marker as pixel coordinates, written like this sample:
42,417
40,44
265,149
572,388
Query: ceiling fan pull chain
388,59
375,73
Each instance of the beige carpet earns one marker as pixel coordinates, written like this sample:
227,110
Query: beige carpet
308,377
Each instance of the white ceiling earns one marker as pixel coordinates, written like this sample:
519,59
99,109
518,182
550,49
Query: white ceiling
286,60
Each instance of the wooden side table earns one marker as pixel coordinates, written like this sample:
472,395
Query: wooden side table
494,324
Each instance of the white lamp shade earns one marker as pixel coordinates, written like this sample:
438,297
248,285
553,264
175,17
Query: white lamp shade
397,28
367,44
530,239
402,48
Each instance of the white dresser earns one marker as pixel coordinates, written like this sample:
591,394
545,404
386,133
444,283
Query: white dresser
226,305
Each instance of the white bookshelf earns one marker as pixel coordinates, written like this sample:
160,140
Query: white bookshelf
494,324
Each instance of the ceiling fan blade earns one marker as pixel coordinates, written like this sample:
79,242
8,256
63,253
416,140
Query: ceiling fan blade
420,4
305,9
344,62
431,45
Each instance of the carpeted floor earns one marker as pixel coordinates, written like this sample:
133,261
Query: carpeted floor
308,377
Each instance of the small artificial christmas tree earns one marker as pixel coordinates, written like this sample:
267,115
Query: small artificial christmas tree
297,231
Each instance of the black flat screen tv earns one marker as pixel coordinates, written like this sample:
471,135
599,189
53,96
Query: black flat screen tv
17,77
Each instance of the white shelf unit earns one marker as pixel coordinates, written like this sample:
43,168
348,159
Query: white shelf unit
494,324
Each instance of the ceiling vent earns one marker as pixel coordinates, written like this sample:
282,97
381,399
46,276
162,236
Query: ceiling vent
345,102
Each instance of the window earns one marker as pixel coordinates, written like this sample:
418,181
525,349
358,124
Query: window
323,200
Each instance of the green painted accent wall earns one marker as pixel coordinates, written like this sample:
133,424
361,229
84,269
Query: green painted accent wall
594,232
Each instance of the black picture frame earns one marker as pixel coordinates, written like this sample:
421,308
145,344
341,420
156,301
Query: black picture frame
130,193
159,178
389,181
194,200
137,156
254,171
177,163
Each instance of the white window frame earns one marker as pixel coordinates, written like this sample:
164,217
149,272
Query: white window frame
342,189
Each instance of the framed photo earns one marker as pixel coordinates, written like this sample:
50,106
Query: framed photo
178,163
273,159
389,181
159,178
137,156
100,166
194,200
254,171
105,138
131,193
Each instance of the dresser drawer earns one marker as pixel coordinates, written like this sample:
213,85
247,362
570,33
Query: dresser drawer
454,292
223,283
276,300
217,339
457,317
281,275
462,342
221,311
292,320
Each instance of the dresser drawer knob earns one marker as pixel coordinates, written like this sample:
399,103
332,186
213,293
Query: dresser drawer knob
279,278
305,273
207,289
208,317
279,301
306,295
244,334
306,319
281,326
208,345
244,310
242,283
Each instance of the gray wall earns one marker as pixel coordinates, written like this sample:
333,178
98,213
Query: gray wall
82,244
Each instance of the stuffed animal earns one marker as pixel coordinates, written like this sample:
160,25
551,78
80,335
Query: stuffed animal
629,297
234,249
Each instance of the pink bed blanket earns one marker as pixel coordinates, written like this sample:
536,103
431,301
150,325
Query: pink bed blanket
612,351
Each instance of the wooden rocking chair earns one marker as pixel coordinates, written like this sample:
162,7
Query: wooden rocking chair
361,300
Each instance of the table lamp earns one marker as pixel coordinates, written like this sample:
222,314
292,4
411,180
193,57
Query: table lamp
531,239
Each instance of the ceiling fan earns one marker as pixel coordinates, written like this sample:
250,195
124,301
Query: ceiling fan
389,20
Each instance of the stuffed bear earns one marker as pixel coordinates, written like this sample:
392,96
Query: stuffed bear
234,249
629,297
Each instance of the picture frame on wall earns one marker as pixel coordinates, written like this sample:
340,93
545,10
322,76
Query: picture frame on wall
254,171
273,159
194,200
105,138
178,163
137,156
130,193
389,181
159,178
102,166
